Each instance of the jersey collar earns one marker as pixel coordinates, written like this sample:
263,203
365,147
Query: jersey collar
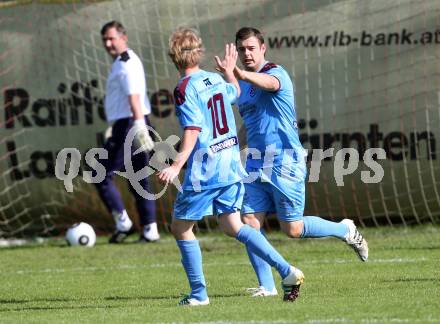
262,66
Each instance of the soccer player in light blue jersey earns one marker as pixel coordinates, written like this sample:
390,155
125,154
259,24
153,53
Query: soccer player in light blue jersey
212,183
276,163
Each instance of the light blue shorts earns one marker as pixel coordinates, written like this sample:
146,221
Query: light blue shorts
193,205
278,191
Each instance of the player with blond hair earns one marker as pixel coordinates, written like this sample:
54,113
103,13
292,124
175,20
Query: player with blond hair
212,182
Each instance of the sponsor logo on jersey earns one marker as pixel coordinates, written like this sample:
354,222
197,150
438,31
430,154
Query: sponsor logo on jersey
207,82
226,143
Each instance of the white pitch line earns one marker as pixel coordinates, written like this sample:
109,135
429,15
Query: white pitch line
393,260
323,321
206,264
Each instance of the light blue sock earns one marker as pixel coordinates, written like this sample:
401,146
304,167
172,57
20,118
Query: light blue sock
319,227
262,269
192,263
258,244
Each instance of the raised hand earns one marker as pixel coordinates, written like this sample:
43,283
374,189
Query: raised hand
229,61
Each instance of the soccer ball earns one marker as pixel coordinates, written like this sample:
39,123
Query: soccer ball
81,234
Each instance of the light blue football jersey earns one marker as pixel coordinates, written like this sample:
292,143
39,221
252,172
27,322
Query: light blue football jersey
270,120
203,101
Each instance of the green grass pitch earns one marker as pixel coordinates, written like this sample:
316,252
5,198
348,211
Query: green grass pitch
133,283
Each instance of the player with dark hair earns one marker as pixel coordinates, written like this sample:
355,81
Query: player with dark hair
126,106
277,163
212,183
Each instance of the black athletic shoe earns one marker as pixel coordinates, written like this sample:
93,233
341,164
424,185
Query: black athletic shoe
291,284
143,239
291,293
120,236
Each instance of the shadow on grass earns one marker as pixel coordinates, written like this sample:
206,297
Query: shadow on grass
23,301
415,248
91,305
406,280
168,297
51,308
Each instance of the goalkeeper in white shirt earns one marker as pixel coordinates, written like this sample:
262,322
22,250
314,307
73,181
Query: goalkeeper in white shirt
126,106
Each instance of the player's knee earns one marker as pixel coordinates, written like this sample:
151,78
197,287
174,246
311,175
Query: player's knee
251,221
226,228
230,228
230,232
176,230
294,229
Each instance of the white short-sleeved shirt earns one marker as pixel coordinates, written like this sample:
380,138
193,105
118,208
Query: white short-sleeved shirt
126,77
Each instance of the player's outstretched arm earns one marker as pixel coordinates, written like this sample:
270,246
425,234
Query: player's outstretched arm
261,80
189,140
227,65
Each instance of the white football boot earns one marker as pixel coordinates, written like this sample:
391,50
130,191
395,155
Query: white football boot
124,227
356,240
262,292
186,301
149,233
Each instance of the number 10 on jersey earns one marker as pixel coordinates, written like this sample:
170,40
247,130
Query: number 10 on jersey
219,120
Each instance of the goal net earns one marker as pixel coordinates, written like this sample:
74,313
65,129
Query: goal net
366,76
